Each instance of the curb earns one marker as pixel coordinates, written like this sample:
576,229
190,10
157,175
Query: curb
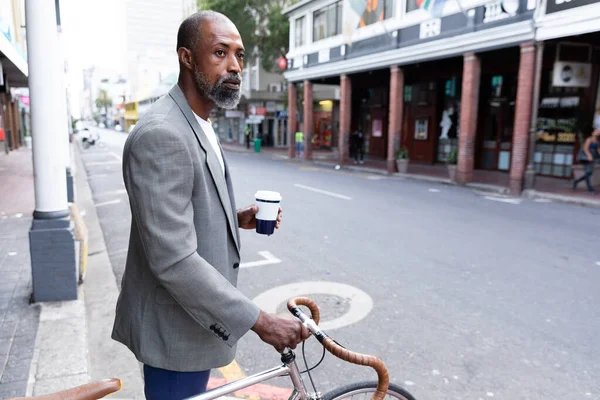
534,194
101,294
482,187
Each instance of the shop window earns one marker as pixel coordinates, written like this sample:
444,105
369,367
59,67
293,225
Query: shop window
300,37
559,117
449,121
421,128
412,5
377,10
407,94
327,21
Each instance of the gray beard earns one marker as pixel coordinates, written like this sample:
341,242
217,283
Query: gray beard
219,95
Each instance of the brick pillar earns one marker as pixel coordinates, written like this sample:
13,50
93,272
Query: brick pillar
345,117
395,115
308,120
8,124
17,121
469,105
292,118
522,117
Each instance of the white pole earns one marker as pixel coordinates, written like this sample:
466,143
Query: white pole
49,132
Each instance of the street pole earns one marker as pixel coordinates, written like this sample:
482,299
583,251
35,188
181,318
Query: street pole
65,113
52,244
530,171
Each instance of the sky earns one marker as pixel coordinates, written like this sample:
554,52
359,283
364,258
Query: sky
93,35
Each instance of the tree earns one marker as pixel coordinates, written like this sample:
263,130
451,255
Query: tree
260,24
103,101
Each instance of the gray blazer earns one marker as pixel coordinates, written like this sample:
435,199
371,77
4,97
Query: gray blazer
179,308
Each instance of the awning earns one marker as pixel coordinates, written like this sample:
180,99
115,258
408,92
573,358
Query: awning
14,64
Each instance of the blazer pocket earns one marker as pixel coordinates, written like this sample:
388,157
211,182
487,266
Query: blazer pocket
162,296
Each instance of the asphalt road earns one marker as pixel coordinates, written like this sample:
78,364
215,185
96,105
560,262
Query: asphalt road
464,295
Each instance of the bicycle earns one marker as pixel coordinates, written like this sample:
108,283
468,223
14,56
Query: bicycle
378,389
90,140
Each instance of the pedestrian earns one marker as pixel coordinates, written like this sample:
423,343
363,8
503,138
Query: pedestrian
299,144
358,146
179,310
589,155
247,134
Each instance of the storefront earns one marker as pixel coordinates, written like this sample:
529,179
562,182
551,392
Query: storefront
498,93
568,103
370,110
431,110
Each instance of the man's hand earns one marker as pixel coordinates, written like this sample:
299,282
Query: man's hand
247,217
280,331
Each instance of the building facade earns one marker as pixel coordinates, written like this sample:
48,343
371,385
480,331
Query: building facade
13,74
151,35
466,75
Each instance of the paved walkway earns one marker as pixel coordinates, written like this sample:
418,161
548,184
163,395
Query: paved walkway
48,347
18,320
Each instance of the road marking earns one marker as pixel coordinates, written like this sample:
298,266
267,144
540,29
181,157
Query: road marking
268,259
233,372
376,177
95,163
598,263
309,169
434,190
504,200
361,303
543,201
312,189
259,391
108,203
115,155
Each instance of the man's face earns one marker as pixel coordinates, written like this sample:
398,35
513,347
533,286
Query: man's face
219,59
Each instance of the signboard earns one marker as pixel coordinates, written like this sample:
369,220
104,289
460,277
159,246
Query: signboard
234,114
560,5
254,110
254,119
281,114
377,132
571,74
421,129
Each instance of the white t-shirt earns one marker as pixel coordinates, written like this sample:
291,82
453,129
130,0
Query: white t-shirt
212,138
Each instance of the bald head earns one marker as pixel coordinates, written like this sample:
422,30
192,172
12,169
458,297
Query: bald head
190,29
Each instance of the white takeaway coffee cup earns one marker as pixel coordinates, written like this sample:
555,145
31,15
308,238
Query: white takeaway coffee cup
268,208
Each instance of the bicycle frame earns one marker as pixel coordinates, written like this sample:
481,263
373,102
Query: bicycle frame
289,367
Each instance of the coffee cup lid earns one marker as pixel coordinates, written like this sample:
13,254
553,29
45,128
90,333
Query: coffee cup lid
267,195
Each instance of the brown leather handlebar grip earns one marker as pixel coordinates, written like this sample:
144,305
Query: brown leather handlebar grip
89,391
311,305
345,354
383,380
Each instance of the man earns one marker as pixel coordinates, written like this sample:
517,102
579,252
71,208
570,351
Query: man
358,146
299,144
179,310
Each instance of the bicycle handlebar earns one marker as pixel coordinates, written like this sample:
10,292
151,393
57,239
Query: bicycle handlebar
336,349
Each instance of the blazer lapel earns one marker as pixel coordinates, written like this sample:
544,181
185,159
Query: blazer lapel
212,161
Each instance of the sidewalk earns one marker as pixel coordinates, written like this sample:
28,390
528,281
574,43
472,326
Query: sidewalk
548,188
50,347
18,320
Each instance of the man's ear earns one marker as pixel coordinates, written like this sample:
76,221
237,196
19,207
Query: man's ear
185,58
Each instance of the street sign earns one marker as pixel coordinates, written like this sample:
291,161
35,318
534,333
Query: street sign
571,74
